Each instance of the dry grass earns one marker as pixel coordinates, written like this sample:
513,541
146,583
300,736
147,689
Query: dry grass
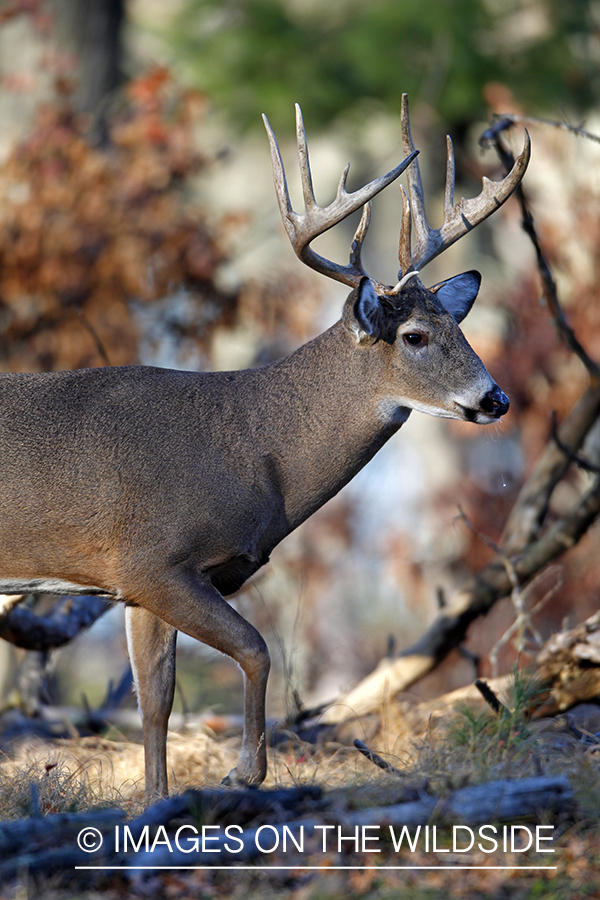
464,746
92,772
80,774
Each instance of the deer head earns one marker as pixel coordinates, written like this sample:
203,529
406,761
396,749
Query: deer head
430,366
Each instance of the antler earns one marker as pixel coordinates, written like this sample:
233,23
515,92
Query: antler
459,218
302,229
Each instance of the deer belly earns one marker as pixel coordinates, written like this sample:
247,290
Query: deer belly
47,586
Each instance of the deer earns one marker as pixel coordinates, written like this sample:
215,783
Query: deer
166,490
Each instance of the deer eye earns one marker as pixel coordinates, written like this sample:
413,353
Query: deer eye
415,339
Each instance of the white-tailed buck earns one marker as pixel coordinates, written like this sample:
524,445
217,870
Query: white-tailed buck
168,489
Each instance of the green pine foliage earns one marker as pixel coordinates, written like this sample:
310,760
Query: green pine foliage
256,55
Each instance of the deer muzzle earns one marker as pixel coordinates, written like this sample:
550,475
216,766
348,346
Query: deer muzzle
495,403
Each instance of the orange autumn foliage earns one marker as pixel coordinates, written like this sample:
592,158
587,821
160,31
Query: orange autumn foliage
85,230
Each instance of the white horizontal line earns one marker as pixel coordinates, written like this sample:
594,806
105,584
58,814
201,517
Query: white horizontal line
320,868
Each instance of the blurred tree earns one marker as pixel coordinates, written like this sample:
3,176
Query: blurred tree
97,25
52,48
255,55
91,33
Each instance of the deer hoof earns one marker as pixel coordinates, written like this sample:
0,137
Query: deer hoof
236,779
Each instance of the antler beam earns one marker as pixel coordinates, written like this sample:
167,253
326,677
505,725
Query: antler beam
302,229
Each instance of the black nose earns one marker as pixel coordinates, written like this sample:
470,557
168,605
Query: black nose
495,403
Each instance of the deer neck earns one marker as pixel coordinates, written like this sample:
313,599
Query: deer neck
328,395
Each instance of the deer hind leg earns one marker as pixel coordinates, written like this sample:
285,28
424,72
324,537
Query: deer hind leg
189,602
151,644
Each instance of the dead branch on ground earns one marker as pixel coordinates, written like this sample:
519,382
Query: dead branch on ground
23,627
49,845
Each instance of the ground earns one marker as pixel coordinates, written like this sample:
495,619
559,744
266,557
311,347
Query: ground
89,773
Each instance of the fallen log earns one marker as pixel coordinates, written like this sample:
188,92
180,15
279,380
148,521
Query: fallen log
495,801
24,628
570,663
48,845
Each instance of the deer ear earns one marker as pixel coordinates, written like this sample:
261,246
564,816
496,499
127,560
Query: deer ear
362,312
458,294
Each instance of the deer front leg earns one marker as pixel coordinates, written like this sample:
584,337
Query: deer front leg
151,644
189,602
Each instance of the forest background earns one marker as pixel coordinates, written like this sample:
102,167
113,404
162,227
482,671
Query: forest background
138,223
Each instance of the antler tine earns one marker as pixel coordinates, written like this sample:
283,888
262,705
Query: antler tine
415,185
302,229
404,244
458,218
305,174
450,177
281,188
359,234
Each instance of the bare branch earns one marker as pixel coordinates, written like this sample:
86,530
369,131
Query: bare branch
376,759
503,121
490,697
101,349
531,506
579,461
